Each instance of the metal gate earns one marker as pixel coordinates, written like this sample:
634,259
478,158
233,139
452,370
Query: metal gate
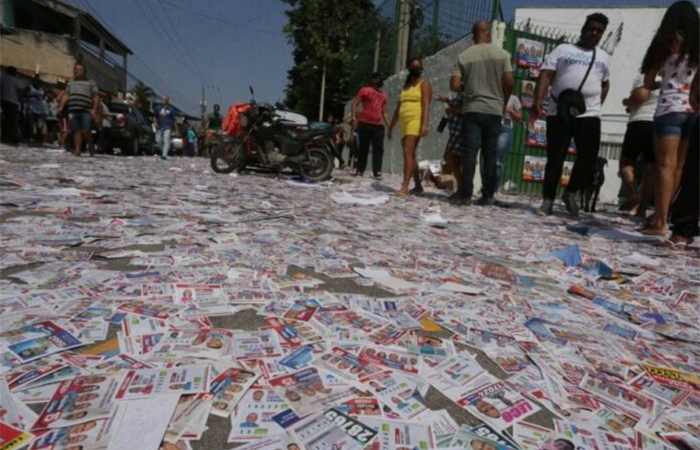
527,47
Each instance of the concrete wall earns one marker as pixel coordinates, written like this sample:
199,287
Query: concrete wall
27,49
437,69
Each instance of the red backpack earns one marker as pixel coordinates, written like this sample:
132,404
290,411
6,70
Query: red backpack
231,126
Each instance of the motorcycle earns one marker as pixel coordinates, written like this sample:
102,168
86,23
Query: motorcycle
270,140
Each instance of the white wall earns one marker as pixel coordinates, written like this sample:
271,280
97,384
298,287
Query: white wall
437,69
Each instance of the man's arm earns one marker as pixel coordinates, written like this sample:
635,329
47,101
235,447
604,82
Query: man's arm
604,94
456,83
638,97
543,81
507,87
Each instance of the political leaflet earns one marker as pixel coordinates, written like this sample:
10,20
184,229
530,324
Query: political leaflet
620,395
389,358
301,357
305,393
361,406
278,442
529,53
498,404
78,400
12,438
256,344
581,436
294,333
302,309
395,435
465,439
530,436
91,435
397,392
149,309
119,363
190,417
533,168
204,344
673,378
228,389
148,382
333,430
39,339
450,375
252,417
345,365
486,431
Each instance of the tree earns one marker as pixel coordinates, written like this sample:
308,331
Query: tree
142,96
321,32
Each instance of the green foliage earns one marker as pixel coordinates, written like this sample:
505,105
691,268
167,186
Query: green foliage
321,32
142,96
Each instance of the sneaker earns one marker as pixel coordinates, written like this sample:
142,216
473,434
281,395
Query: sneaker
377,175
570,203
486,200
163,158
545,209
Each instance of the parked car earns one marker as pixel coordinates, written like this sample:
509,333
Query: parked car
130,131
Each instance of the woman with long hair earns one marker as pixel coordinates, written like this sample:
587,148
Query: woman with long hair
673,56
412,114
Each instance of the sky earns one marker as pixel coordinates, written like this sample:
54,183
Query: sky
226,45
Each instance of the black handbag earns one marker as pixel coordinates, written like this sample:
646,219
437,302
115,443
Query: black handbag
571,103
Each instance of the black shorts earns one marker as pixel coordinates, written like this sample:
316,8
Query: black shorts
639,140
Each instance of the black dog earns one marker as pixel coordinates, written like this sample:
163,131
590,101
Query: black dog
594,183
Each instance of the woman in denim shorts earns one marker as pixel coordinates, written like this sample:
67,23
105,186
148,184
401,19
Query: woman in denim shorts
673,55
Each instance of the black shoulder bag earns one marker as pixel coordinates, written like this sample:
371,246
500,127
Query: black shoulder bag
571,103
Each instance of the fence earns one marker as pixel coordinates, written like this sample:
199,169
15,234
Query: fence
426,25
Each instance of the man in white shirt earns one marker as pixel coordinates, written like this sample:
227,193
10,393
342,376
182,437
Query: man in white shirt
639,140
565,68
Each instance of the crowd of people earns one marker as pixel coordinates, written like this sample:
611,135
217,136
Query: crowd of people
571,87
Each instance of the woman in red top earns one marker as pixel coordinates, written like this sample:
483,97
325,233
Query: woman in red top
368,124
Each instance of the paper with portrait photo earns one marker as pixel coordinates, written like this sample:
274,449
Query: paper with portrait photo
345,365
228,389
252,417
79,400
533,168
256,344
499,404
305,392
204,344
149,309
530,436
294,333
397,392
396,435
334,429
390,358
451,374
285,441
155,382
39,339
465,439
91,435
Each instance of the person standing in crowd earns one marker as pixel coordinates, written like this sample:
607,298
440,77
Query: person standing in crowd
187,149
214,119
34,101
639,140
51,106
674,55
412,113
164,120
513,113
368,124
105,128
484,74
81,101
566,68
10,106
453,149
191,140
685,211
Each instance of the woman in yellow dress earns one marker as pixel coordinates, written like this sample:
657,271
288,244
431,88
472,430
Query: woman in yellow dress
412,113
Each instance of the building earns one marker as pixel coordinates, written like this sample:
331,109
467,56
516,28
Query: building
48,37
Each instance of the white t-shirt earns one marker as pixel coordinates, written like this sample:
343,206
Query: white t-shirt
646,111
676,78
513,103
570,63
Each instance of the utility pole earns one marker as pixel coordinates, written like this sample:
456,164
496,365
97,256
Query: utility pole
203,105
323,94
403,34
376,50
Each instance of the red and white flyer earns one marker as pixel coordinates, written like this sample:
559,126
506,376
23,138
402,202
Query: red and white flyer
499,404
149,382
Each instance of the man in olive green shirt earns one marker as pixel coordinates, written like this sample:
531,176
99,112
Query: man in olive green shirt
483,73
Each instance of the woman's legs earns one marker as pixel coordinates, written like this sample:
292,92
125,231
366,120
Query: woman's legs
410,165
667,156
454,163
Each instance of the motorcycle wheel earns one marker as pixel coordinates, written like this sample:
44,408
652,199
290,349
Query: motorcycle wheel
227,157
318,166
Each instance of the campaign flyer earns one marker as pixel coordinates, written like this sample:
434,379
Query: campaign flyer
498,404
305,392
391,359
76,400
228,388
40,339
333,430
91,435
252,417
397,392
12,438
394,435
147,382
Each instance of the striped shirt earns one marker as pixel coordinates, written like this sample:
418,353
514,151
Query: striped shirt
81,94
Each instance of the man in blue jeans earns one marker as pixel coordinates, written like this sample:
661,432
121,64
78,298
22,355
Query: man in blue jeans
164,119
484,74
513,113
